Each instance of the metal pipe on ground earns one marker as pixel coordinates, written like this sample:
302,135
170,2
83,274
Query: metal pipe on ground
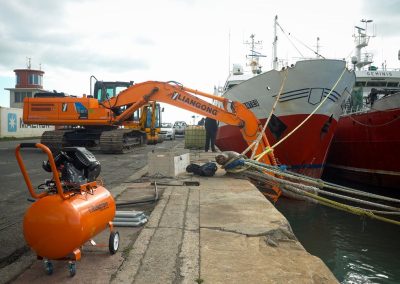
125,214
129,224
129,218
118,219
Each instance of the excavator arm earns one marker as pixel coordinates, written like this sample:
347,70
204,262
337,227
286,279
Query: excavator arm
229,112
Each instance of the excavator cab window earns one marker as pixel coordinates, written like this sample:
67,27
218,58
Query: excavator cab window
110,92
136,116
106,90
157,123
149,116
103,94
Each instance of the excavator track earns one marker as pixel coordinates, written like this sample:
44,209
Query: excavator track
55,139
116,141
120,140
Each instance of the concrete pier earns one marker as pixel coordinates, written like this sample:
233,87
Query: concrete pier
222,231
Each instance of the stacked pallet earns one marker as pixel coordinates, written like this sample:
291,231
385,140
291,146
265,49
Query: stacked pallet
195,137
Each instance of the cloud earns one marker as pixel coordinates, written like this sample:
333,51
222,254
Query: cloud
80,60
42,30
143,40
28,14
385,14
381,8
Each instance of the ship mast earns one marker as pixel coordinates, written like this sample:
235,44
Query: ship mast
274,44
361,40
254,55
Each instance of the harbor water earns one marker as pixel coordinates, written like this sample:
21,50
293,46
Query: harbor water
356,249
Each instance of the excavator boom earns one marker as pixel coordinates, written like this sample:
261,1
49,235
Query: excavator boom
230,112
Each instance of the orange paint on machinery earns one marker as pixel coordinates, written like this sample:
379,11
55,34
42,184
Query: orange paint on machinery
65,111
54,227
117,110
71,209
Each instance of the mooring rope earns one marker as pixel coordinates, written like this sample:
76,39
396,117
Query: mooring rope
314,189
318,182
255,144
373,126
301,185
351,209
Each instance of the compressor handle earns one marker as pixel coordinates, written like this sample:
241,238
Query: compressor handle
28,145
52,166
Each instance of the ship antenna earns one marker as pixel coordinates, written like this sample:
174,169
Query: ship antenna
229,51
275,44
28,63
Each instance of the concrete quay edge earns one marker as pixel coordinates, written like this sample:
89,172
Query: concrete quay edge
223,231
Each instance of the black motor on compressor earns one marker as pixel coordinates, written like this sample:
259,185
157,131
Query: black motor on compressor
77,166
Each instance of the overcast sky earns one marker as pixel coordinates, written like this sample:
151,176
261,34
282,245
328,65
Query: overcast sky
189,41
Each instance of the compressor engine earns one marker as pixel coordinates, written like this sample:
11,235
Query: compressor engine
76,165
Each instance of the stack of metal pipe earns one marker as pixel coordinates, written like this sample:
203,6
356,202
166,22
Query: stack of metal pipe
129,218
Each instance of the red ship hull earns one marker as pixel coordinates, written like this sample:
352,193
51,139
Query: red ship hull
366,149
304,151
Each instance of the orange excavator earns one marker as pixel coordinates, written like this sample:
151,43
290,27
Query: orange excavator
118,110
72,115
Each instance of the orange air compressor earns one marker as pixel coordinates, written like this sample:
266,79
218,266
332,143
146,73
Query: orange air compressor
71,209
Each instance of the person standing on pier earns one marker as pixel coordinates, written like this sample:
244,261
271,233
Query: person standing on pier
211,126
201,122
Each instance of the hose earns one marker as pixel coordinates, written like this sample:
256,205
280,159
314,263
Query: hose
141,201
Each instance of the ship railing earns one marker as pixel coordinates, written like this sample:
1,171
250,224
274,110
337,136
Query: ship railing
348,108
367,58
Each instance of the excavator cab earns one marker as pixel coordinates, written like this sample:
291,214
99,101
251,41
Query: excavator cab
107,90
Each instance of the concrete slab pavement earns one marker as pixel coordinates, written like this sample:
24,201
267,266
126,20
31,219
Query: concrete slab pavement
222,231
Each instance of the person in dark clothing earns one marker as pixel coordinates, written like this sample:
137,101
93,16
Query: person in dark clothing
211,126
201,122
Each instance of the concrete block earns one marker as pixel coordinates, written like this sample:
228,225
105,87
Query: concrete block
167,163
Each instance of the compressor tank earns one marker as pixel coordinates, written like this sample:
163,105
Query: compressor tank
54,227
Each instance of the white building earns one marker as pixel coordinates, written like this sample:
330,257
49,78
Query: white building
28,83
